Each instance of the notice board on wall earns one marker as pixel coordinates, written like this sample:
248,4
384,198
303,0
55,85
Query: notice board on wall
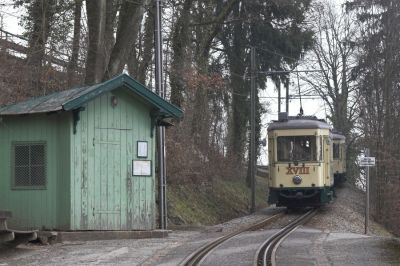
141,168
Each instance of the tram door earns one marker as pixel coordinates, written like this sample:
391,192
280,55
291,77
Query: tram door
328,176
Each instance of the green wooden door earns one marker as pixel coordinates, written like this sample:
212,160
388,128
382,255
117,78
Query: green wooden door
108,180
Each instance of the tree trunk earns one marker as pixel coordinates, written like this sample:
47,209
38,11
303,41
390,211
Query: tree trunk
95,62
130,19
41,13
73,62
201,120
113,6
240,106
138,64
180,42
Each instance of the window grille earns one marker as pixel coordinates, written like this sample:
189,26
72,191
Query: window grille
29,165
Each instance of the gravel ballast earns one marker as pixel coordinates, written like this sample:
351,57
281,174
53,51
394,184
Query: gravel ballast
346,214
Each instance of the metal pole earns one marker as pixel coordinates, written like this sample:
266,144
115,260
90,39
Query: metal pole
253,129
287,97
158,48
165,180
160,129
367,196
279,96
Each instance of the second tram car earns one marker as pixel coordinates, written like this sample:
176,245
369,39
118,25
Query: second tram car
300,155
339,157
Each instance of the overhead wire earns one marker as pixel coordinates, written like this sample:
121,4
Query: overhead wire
10,14
274,52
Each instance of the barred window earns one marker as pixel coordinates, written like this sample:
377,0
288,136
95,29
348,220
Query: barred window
29,165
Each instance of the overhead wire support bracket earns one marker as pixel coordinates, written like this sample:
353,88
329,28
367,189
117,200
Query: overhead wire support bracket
277,72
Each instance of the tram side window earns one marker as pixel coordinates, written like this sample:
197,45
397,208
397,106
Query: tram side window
321,150
297,148
336,151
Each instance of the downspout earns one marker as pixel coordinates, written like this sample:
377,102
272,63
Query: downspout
161,129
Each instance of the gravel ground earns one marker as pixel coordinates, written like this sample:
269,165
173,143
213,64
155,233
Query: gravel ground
309,246
346,214
109,252
167,251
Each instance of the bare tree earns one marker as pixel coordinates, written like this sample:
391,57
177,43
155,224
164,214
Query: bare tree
334,53
379,81
73,62
140,57
129,24
180,42
41,13
96,56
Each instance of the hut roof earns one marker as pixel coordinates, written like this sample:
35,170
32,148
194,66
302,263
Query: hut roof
74,98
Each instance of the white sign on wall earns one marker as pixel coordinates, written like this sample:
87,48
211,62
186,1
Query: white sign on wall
367,161
141,168
142,149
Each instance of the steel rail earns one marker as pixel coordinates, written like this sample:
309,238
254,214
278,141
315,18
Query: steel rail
200,254
265,255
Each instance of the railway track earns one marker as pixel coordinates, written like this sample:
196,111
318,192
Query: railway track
265,255
199,255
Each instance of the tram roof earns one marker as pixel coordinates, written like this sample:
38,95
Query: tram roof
299,122
337,136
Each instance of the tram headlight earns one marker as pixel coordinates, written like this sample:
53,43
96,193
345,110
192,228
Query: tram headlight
297,179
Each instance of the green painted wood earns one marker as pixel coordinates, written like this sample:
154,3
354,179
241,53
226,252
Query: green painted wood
64,131
35,208
91,116
76,176
131,84
105,195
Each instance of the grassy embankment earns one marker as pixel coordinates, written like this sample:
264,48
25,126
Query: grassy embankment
218,202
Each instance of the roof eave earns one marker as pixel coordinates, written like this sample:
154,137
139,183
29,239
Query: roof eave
124,80
169,109
106,86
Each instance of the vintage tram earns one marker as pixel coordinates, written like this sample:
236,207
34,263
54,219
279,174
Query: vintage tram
300,155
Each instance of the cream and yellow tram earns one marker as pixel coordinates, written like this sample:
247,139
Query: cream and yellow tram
300,154
339,157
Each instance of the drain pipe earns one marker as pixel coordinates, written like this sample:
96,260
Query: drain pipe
161,129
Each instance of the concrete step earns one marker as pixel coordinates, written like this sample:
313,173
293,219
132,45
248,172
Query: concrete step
6,236
13,237
107,235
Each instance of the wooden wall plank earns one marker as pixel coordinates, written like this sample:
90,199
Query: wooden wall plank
84,170
91,116
97,155
63,193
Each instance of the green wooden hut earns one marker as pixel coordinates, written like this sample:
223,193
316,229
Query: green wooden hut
82,159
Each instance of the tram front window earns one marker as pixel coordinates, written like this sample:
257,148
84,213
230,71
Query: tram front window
297,148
